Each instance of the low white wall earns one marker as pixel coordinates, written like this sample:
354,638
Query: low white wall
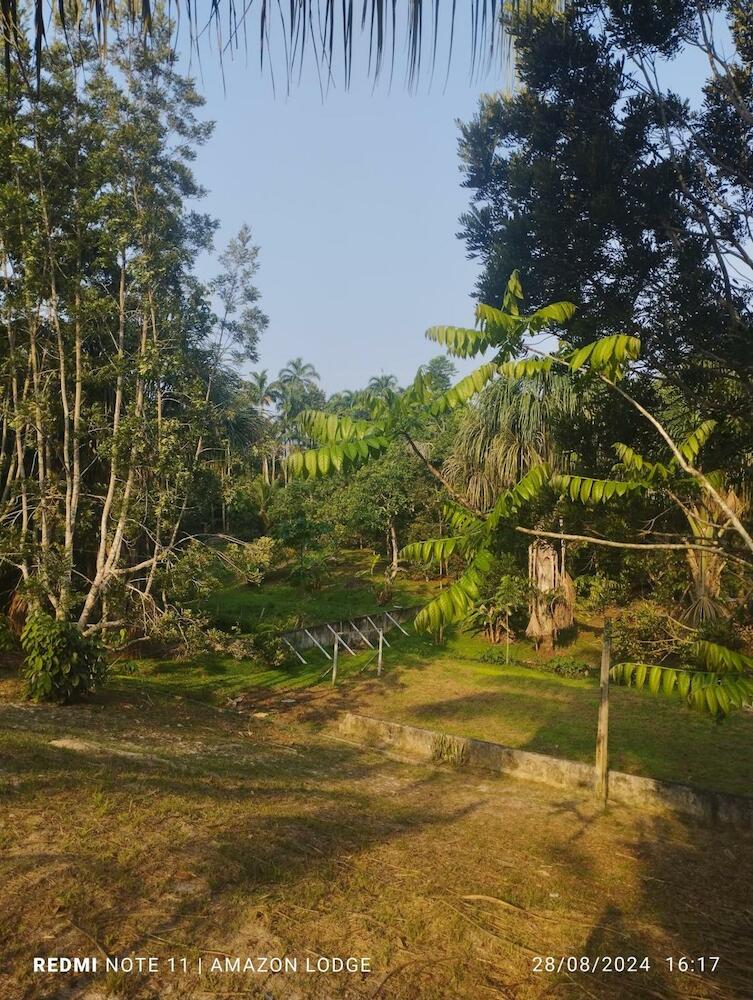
630,789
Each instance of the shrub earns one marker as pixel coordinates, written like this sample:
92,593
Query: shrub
253,560
567,666
61,663
190,634
492,656
563,666
491,615
7,639
646,633
597,592
192,573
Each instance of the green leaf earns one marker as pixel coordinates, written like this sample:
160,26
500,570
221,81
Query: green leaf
654,679
453,603
594,490
463,390
433,550
607,355
511,500
460,342
526,367
693,443
721,659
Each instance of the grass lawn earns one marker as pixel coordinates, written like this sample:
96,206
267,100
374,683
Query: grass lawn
518,706
349,590
449,689
146,823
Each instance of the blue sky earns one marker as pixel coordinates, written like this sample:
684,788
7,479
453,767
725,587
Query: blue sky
354,201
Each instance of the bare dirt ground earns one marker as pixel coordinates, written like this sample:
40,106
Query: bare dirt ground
166,828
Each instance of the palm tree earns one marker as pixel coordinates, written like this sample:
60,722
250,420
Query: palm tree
383,385
262,392
299,374
342,402
339,19
511,428
298,391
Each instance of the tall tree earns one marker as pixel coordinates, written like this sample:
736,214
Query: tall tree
115,385
607,189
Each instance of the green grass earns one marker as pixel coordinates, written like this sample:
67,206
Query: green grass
139,823
349,590
448,688
526,708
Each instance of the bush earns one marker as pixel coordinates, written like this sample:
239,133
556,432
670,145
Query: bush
192,573
597,592
563,666
190,634
495,656
567,666
253,560
7,639
646,633
61,662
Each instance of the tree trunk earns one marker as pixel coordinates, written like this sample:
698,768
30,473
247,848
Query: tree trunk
552,596
395,548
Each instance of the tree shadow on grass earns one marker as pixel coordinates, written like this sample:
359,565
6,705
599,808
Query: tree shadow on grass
243,825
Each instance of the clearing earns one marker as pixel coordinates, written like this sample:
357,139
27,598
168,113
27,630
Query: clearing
151,823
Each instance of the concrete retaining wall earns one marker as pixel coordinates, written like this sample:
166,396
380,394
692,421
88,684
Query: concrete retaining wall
629,789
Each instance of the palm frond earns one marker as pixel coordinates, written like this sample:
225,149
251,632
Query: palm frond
288,30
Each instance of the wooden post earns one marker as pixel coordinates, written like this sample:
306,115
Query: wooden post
602,735
334,660
379,654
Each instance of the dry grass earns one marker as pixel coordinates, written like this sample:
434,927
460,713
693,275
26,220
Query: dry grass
158,826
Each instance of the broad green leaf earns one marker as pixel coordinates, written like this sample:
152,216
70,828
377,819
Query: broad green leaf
721,659
594,490
526,367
